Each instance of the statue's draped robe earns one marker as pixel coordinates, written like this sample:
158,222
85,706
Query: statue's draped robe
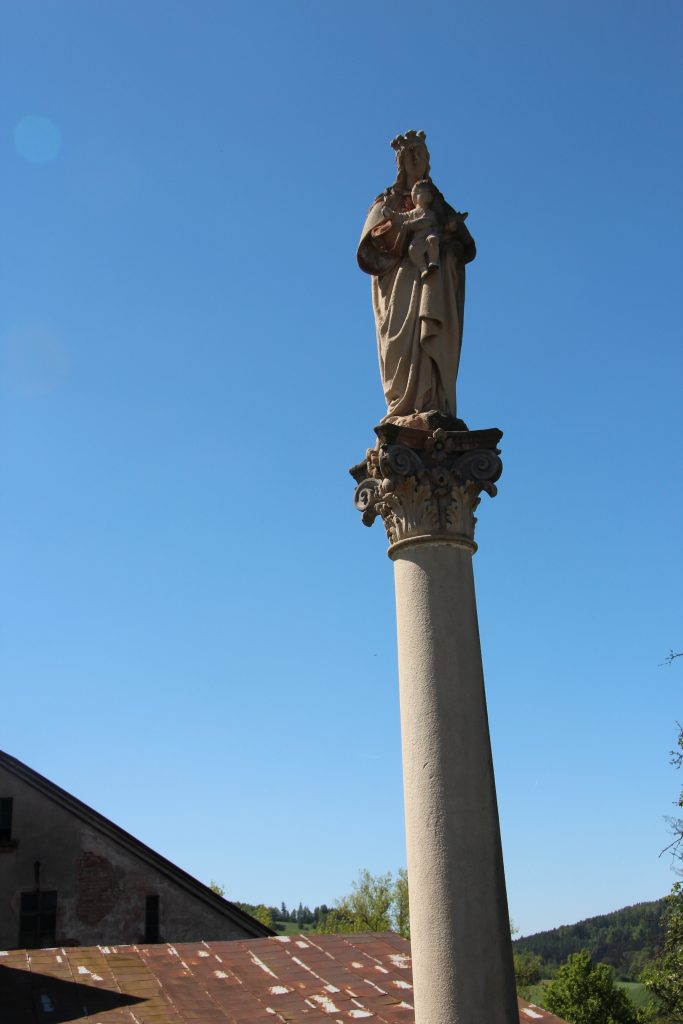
419,321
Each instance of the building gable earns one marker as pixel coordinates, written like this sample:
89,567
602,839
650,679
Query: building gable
108,886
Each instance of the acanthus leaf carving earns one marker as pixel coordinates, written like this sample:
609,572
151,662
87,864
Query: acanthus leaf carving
428,493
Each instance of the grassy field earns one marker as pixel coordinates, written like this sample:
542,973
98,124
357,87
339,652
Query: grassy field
291,928
636,992
536,994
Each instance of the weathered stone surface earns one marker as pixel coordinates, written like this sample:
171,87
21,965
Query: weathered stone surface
416,251
460,933
426,484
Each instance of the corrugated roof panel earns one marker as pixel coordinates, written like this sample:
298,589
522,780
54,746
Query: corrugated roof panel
307,979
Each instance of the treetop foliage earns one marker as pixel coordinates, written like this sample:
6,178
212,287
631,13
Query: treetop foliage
585,993
528,971
664,976
376,903
676,823
259,911
626,939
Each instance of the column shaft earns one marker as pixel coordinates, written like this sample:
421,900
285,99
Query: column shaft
462,960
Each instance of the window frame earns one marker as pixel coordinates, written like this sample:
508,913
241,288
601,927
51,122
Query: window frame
6,815
152,906
38,923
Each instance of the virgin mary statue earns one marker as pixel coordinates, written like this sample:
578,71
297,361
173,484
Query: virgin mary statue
418,310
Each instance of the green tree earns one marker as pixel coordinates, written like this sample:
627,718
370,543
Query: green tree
625,939
585,993
528,968
262,914
664,976
377,903
319,913
218,889
341,919
259,911
401,904
370,901
676,824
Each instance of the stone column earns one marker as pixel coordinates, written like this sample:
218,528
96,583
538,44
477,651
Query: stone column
426,485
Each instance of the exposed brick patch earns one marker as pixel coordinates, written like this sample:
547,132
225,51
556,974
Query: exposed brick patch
98,890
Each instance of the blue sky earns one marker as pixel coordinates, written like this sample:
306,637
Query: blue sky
197,632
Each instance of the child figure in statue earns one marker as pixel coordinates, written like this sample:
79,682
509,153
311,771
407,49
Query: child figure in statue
419,329
423,225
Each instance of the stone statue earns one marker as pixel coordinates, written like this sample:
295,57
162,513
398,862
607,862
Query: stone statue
423,222
416,246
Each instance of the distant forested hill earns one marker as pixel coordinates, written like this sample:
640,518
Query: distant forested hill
625,939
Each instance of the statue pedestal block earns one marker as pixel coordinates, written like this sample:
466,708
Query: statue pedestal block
426,489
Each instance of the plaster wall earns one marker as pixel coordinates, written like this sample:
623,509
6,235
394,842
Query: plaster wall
101,885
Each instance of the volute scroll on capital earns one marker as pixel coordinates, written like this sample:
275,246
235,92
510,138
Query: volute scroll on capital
426,485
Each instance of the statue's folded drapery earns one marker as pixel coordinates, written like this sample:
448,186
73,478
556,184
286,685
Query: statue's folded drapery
419,319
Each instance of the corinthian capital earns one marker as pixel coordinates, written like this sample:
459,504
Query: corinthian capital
426,484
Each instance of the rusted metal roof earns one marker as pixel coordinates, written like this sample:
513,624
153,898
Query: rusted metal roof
305,979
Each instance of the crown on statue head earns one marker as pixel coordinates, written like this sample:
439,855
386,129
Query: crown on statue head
409,139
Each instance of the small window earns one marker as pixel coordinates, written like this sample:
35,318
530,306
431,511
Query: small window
38,920
151,919
5,818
